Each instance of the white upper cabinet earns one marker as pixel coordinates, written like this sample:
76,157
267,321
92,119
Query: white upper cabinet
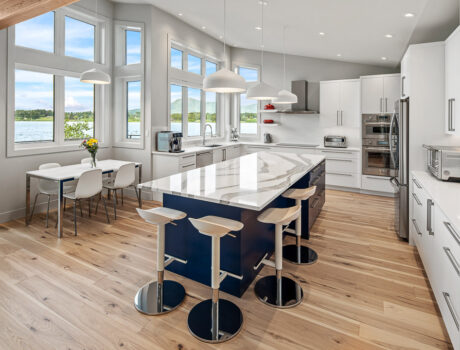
379,93
339,103
452,81
405,78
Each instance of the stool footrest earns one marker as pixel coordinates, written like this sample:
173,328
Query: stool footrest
265,262
171,259
289,230
224,274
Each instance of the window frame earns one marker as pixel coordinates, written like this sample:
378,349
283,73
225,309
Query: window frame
237,100
122,74
56,63
186,79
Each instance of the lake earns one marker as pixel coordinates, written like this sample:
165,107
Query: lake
25,131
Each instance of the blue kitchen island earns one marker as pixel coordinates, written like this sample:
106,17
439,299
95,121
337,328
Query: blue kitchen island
238,189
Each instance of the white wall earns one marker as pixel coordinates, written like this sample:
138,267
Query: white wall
305,128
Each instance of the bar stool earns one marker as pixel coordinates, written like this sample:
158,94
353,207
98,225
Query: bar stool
297,253
160,296
216,320
278,291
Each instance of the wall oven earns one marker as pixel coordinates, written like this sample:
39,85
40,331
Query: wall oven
376,126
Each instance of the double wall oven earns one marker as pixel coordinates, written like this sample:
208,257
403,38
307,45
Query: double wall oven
376,145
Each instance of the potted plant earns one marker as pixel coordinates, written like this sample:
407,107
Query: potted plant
91,146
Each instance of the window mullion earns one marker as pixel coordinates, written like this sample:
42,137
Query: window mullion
203,112
59,33
185,111
59,100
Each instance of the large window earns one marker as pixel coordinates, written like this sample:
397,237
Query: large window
133,46
133,110
191,107
78,109
34,106
47,104
36,33
79,39
248,109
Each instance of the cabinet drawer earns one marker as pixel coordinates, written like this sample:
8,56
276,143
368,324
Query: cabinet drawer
342,179
341,165
329,153
377,183
183,168
187,160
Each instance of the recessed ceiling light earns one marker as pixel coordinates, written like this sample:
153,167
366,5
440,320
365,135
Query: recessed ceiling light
180,14
339,55
258,28
221,36
262,46
263,2
203,27
409,15
322,33
384,58
389,36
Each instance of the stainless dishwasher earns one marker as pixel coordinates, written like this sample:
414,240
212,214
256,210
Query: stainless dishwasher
203,159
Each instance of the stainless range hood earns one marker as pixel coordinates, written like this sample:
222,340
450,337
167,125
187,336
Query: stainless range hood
300,89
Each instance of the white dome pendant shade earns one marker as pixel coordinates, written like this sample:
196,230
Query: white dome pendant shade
285,97
224,81
95,76
262,91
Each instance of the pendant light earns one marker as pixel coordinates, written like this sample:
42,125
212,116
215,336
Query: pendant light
262,91
224,80
95,76
285,96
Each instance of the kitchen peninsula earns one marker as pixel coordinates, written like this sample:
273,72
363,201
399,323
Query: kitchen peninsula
237,189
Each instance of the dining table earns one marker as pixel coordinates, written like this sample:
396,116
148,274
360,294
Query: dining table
67,173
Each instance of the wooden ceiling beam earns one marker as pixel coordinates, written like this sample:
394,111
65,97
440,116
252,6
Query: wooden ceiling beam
15,11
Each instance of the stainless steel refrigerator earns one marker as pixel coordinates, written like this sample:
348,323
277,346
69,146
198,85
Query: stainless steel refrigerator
399,149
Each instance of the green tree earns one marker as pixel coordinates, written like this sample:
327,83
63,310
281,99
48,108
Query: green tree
76,130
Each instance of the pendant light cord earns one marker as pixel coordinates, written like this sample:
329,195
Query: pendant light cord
262,46
284,56
225,25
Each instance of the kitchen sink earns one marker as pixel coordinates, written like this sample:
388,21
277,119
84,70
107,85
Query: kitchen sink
213,145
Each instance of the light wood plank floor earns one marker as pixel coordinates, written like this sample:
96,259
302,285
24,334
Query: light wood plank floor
368,290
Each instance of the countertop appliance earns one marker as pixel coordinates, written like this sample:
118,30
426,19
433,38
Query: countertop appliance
399,150
376,126
267,138
335,141
169,141
443,162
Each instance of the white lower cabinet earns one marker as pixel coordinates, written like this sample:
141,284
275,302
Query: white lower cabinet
343,168
438,243
167,164
377,184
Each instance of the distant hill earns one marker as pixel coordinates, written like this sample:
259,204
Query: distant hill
194,104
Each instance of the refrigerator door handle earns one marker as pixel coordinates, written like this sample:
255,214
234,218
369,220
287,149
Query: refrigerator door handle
391,140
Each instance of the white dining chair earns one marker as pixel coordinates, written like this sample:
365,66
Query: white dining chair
87,160
125,177
48,188
89,185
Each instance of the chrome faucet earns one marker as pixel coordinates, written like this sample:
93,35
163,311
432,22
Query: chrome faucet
204,133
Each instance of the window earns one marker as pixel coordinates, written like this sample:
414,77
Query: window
79,39
194,112
78,109
211,67
36,33
176,108
133,110
33,106
133,46
176,58
211,109
248,109
194,64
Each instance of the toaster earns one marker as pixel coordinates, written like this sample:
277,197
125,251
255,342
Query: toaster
335,141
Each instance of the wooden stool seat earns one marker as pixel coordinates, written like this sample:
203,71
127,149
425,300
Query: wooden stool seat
160,215
300,193
279,216
215,225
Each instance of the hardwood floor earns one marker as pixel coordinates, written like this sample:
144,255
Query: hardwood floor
367,291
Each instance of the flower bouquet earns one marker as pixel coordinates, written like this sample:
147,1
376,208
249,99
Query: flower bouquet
91,146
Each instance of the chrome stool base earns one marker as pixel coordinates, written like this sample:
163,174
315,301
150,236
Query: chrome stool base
278,292
159,298
299,255
228,323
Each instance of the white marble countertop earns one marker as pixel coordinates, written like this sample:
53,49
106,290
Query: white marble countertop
251,181
198,148
445,194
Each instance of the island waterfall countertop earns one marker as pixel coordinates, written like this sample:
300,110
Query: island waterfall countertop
251,181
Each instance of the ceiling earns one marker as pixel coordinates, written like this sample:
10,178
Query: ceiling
355,30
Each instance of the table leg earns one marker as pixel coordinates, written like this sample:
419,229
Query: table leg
27,198
60,208
140,191
109,175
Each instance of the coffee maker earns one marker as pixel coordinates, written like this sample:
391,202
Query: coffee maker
175,143
169,141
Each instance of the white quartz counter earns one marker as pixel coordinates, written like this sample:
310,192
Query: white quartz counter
251,181
445,194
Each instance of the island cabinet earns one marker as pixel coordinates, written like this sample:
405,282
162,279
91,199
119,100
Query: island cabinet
437,238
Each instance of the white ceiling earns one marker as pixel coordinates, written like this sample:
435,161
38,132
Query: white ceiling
355,29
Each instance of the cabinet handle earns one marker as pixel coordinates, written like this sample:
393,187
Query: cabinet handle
381,109
225,154
429,228
451,308
190,156
341,160
386,105
452,259
337,121
416,227
416,199
340,174
402,87
452,231
449,114
341,117
452,117
416,183
324,151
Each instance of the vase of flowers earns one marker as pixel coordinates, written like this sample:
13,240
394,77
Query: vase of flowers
91,146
